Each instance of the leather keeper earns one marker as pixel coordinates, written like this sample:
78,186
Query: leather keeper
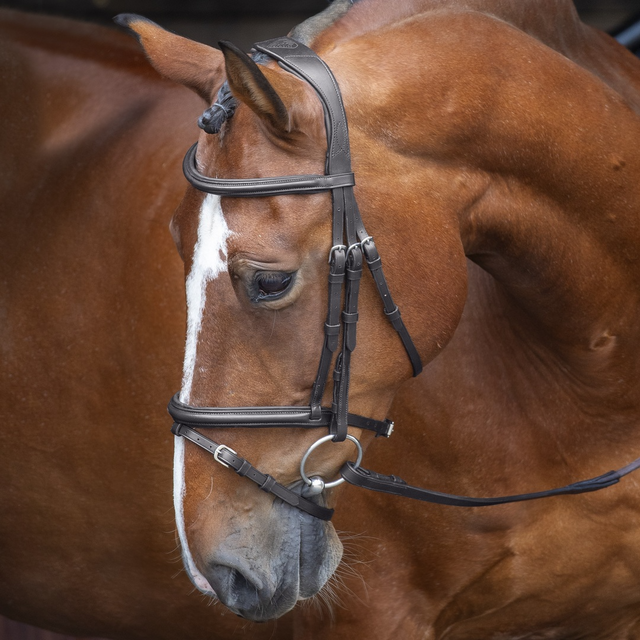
393,315
245,467
268,484
331,329
375,264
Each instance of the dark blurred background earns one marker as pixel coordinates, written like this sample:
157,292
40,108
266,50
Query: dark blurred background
247,21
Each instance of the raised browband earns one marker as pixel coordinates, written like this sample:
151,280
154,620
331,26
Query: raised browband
256,187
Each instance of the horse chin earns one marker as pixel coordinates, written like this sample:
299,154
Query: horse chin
289,558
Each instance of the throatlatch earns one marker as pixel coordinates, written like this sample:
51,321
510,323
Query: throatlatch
351,247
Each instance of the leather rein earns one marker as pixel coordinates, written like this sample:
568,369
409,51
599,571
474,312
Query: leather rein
351,247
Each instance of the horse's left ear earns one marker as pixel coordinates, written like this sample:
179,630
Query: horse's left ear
195,65
256,87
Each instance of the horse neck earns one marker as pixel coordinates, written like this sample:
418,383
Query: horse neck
552,22
556,227
546,150
570,281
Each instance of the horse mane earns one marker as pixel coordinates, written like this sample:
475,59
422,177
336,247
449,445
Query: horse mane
224,107
308,30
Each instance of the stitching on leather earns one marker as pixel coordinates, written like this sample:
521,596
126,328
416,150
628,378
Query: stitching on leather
342,145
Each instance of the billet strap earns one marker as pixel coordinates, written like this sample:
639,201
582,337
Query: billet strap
397,486
228,458
266,417
262,187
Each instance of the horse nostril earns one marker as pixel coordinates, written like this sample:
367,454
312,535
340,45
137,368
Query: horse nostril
240,584
234,589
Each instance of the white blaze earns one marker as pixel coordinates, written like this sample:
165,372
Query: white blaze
209,260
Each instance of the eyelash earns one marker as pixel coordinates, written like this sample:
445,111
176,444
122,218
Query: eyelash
270,285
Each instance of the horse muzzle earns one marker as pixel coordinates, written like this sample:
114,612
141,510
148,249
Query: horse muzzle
262,569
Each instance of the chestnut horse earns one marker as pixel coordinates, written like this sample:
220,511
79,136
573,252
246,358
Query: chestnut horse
494,145
495,148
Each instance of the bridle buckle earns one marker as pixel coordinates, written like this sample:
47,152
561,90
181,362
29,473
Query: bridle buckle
216,454
336,247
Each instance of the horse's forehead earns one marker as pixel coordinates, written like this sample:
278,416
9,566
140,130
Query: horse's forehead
278,221
276,228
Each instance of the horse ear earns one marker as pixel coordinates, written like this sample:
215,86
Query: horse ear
196,66
255,87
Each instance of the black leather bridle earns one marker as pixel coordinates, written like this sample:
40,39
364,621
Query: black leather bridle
351,247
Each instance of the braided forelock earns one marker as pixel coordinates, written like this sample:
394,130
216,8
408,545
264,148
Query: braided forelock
223,108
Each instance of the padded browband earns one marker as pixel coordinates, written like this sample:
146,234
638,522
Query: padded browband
266,417
262,187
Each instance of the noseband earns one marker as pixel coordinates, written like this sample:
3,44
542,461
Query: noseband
351,247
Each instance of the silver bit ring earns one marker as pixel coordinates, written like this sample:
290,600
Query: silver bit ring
327,485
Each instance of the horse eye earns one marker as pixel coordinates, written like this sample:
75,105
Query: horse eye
271,285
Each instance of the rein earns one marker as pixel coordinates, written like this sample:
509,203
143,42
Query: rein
351,247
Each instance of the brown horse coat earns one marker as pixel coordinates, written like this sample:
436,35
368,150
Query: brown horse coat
496,150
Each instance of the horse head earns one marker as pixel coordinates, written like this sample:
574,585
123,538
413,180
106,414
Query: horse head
256,278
